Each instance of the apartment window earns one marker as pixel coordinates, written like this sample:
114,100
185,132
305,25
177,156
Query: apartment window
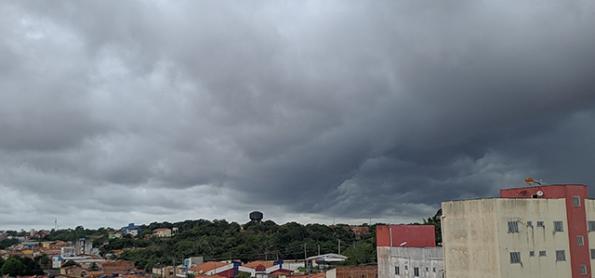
531,253
397,270
427,269
529,224
583,269
515,257
513,227
558,226
406,267
592,254
416,272
591,226
560,255
580,240
576,201
542,253
540,224
434,269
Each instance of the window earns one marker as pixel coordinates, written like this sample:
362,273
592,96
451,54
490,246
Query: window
427,269
542,253
531,253
513,227
580,240
416,271
591,226
515,257
560,256
434,269
397,270
406,267
540,224
558,226
583,269
576,201
592,254
529,224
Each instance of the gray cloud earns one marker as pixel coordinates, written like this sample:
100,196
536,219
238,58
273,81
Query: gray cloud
309,111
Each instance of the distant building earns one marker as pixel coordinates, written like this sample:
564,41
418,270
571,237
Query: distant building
192,261
537,231
67,251
265,269
83,246
224,269
162,232
131,230
360,231
114,234
408,251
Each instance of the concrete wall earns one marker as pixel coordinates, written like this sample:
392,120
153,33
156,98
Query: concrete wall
469,239
429,260
331,273
477,242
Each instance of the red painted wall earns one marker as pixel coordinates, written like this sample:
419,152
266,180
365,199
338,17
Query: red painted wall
577,217
408,235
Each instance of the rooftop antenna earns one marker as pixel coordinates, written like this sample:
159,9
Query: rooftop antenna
55,223
531,181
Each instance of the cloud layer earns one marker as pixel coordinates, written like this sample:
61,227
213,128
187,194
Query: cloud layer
137,111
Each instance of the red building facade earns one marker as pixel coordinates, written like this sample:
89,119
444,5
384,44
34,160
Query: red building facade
405,236
575,195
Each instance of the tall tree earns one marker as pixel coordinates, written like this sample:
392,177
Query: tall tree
13,267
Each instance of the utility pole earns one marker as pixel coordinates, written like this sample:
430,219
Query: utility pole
174,265
339,242
306,259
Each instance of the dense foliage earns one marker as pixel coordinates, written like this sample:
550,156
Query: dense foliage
219,240
19,266
222,240
5,243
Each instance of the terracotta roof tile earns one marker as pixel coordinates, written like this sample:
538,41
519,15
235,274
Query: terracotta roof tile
207,266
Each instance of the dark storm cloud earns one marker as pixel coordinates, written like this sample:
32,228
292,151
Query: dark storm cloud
307,110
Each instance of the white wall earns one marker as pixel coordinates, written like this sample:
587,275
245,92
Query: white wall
408,258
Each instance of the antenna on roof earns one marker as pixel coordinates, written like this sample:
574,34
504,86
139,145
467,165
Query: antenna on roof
531,181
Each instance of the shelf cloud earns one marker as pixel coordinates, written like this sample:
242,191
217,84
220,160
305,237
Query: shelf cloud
138,111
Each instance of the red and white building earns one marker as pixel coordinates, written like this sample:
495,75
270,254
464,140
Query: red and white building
408,251
537,231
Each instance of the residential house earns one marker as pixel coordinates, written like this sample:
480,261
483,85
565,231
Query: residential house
131,230
162,232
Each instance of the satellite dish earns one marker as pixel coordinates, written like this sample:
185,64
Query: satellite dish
539,193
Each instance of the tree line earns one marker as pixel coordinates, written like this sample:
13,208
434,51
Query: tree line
222,240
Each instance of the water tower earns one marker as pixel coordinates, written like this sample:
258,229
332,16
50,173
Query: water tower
256,216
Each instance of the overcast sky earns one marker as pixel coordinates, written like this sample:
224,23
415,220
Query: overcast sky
315,111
